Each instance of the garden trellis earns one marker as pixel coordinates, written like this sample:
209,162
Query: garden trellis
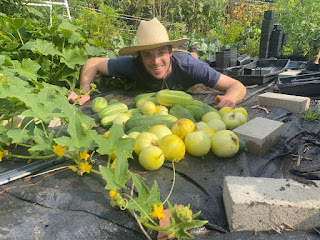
50,4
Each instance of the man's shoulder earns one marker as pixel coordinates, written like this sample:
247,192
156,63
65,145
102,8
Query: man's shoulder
183,58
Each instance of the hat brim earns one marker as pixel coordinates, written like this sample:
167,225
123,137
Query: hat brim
133,50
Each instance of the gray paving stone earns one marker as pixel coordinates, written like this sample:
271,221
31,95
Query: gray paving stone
260,134
296,104
262,204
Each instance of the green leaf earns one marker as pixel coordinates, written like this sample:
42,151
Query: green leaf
35,12
146,198
115,142
94,51
116,178
3,138
18,135
181,229
40,105
5,104
14,87
43,143
72,57
67,29
42,47
16,23
79,139
27,68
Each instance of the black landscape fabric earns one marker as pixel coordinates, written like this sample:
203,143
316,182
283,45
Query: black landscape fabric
63,205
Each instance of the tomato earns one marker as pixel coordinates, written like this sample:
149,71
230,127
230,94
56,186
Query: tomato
198,143
151,158
224,143
173,147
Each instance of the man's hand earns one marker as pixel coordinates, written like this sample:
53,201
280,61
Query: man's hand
223,101
75,98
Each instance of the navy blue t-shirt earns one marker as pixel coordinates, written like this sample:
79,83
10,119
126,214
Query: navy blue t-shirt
186,72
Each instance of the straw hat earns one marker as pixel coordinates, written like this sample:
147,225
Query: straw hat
151,34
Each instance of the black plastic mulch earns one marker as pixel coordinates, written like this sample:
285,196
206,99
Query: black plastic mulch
63,205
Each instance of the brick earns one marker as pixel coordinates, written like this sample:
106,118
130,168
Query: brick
260,134
262,204
291,103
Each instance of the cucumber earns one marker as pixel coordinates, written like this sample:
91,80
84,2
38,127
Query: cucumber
170,98
111,109
180,112
150,120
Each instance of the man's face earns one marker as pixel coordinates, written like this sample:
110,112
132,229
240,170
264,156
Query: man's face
157,61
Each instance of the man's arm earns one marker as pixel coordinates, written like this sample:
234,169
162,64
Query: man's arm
89,71
234,92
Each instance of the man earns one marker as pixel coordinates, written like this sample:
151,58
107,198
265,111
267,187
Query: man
153,63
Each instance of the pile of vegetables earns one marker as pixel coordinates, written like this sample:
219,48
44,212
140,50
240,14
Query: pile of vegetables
168,123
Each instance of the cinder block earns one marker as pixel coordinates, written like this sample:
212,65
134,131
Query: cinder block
260,134
262,204
291,103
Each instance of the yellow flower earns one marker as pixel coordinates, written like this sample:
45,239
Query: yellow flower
157,212
59,150
85,167
1,155
143,3
112,193
84,155
113,165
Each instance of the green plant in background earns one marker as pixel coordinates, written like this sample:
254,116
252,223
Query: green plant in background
44,54
101,25
310,115
301,21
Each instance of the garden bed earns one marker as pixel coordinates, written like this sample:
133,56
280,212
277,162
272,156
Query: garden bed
63,205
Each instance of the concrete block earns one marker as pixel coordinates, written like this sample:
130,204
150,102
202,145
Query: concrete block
262,204
291,103
260,134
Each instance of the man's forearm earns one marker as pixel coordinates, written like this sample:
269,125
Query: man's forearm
236,93
90,70
88,73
